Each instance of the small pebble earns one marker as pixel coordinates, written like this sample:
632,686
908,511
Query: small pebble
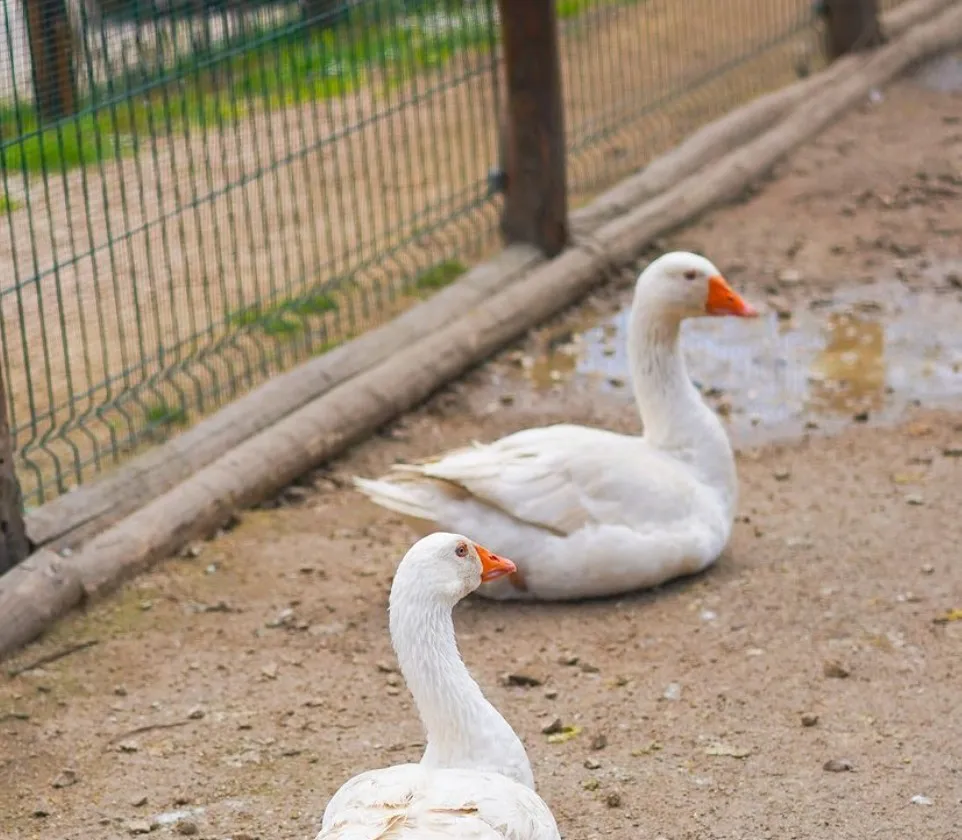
914,499
186,827
613,800
592,764
672,692
138,827
927,569
599,742
782,474
809,719
66,778
790,277
838,765
918,799
552,727
196,713
524,680
551,694
139,801
835,670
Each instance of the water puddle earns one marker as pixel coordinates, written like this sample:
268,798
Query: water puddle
866,354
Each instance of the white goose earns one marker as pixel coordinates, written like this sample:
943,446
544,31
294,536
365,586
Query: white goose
586,512
474,781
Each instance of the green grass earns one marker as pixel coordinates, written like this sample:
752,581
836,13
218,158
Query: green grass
270,68
439,276
8,205
161,414
283,319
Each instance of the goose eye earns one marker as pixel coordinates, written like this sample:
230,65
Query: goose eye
461,550
691,274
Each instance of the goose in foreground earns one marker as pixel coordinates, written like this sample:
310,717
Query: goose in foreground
586,512
474,780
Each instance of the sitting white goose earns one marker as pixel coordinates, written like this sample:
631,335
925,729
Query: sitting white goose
474,780
587,512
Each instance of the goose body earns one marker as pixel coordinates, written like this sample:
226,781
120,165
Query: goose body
587,512
474,781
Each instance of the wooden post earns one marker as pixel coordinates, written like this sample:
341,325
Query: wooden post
51,58
13,536
851,26
536,195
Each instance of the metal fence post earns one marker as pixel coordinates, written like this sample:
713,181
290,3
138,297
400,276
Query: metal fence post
13,536
850,26
536,194
51,58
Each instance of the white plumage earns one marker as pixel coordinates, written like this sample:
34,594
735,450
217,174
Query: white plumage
474,781
587,512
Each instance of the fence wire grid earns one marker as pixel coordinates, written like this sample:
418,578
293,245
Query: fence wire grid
200,193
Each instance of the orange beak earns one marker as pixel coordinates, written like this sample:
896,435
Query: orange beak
724,300
492,566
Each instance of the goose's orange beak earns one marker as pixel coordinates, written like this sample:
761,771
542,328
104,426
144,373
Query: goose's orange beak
492,566
724,300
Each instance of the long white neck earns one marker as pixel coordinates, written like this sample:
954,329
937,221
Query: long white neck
675,417
463,729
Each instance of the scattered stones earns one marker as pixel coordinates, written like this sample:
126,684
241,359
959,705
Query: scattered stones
523,680
782,474
727,751
139,801
591,784
386,667
551,694
128,746
552,727
914,499
838,765
197,713
569,660
835,670
66,778
809,719
283,619
953,451
672,692
599,742
588,668
40,811
928,569
138,827
613,800
790,277
592,764
186,827
269,671
120,691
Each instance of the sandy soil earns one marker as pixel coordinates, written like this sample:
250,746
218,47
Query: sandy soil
144,260
235,688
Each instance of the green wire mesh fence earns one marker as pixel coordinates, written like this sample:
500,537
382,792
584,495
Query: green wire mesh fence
199,193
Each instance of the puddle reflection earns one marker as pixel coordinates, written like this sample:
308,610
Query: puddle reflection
872,351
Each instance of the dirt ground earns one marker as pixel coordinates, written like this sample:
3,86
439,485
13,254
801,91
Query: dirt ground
233,689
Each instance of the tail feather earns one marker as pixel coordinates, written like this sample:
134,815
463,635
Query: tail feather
409,499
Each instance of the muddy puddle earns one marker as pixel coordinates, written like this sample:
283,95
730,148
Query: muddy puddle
866,355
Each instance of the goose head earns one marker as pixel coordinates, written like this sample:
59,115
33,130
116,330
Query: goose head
681,285
448,567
